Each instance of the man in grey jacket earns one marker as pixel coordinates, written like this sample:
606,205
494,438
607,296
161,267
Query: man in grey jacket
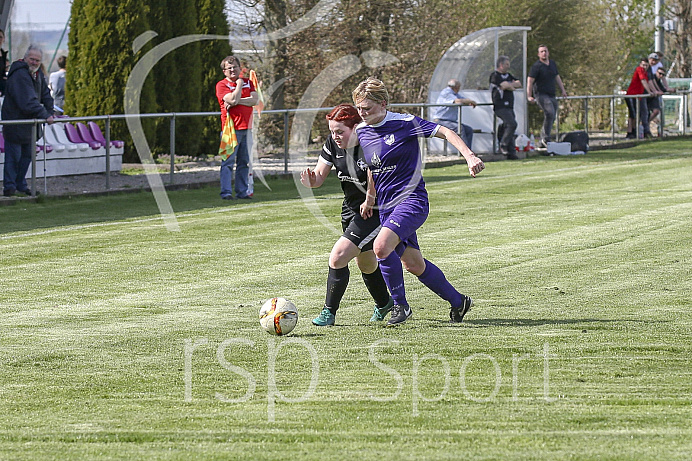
26,97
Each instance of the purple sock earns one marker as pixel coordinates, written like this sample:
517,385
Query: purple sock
433,278
393,275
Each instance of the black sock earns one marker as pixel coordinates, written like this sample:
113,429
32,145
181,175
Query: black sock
337,281
377,288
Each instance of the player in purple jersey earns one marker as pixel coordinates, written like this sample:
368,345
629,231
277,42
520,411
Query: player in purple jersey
390,144
343,153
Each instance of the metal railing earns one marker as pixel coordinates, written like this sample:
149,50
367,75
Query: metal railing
285,113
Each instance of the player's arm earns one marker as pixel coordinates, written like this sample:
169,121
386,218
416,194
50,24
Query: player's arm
367,206
315,178
474,163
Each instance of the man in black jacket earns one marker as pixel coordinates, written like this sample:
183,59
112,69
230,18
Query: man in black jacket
26,97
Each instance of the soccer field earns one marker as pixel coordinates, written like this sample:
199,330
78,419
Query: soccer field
122,340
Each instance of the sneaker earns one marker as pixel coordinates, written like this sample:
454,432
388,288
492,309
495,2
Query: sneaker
630,136
456,314
28,192
9,192
399,315
325,319
227,197
378,314
512,156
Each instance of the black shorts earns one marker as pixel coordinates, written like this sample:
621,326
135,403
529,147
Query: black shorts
653,103
361,232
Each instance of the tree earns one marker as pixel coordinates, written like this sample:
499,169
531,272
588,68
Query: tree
680,42
101,60
211,19
178,76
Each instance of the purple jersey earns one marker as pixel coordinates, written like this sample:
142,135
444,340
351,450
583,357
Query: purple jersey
392,152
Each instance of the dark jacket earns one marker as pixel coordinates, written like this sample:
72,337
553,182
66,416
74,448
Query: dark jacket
3,70
26,97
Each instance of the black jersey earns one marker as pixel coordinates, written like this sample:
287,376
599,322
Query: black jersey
501,99
351,170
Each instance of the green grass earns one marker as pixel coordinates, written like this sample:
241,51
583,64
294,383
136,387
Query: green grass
578,346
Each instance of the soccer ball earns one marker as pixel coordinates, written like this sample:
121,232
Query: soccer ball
278,316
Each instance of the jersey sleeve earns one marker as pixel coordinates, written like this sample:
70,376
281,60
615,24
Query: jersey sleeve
423,128
327,154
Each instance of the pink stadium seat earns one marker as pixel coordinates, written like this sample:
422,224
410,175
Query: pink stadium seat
98,135
73,136
85,134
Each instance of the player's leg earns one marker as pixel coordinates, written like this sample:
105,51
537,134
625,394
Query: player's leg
388,249
343,251
432,277
372,276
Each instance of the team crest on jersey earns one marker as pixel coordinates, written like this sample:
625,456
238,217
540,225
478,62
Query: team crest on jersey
376,162
389,139
362,165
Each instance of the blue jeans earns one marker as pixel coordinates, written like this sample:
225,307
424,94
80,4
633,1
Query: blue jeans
17,162
240,159
466,131
548,105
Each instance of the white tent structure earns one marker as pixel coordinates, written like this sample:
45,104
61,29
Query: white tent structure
471,60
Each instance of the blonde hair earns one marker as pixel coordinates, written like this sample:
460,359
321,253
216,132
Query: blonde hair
370,88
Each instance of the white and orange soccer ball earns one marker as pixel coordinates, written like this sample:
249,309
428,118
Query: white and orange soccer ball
278,316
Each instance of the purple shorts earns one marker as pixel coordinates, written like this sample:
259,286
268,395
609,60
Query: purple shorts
405,218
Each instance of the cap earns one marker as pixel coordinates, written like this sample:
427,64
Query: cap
653,56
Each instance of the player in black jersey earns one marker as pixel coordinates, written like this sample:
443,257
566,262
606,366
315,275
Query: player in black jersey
342,152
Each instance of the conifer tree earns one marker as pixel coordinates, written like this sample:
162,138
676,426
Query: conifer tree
177,76
211,19
101,60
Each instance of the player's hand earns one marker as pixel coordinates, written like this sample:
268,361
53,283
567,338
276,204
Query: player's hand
531,99
366,209
475,164
308,177
367,206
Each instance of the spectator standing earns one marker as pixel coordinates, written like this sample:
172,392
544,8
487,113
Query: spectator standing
448,116
639,85
27,97
236,96
56,81
3,64
502,86
540,88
